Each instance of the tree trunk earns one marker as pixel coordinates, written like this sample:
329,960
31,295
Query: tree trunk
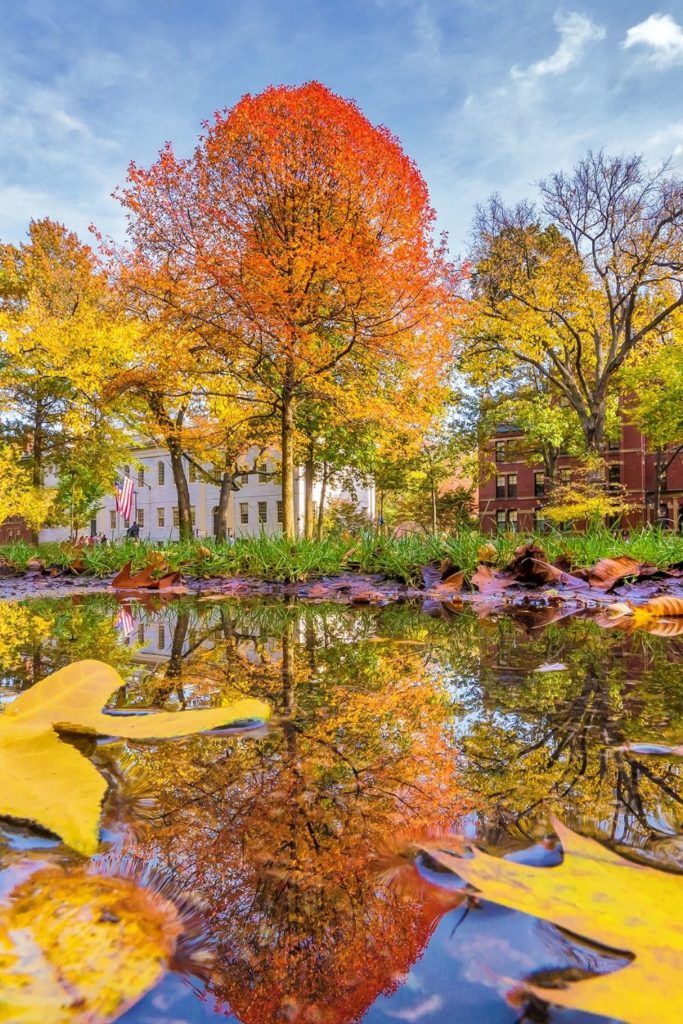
323,496
185,531
309,470
550,457
660,472
288,410
223,517
37,455
434,516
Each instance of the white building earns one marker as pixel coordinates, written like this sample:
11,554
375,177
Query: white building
256,508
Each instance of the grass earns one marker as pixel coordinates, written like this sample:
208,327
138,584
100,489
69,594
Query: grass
278,559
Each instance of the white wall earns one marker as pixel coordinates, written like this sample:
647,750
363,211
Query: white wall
151,495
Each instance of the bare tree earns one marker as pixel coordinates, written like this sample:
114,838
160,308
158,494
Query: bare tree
573,287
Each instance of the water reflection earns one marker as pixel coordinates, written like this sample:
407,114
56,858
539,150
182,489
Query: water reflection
389,725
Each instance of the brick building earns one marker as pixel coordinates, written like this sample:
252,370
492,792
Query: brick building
512,490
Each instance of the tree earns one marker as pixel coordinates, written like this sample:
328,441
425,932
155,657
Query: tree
549,428
574,289
297,241
60,337
18,496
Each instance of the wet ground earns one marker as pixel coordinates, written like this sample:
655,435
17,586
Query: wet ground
391,723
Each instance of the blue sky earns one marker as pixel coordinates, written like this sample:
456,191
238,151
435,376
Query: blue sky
486,95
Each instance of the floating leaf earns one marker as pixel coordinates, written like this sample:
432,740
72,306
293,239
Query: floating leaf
52,783
602,896
77,947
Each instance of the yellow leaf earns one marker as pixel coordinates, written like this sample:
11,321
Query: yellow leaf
598,894
53,784
76,947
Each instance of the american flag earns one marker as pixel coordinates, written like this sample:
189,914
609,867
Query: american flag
125,622
124,496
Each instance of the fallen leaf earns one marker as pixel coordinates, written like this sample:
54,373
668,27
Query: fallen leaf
608,571
666,606
487,581
450,586
78,947
600,895
487,552
53,784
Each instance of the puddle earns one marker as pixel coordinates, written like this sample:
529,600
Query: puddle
293,842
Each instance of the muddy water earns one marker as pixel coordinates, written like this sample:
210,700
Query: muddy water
297,841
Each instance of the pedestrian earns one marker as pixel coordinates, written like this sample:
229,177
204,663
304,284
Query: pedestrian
133,532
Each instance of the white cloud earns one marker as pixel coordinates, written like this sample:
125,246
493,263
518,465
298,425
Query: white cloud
662,35
576,32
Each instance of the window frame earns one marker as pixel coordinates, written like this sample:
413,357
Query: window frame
262,512
512,488
161,517
244,513
161,473
500,485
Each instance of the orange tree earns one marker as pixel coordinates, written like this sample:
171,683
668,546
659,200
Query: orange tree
296,242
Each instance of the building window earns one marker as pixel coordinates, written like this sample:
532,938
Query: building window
112,520
176,517
161,517
141,634
613,444
192,473
500,518
140,517
244,513
244,478
262,512
539,484
512,519
614,474
500,451
512,485
193,514
263,476
141,476
565,476
161,473
500,486
539,520
280,511
126,523
126,470
161,636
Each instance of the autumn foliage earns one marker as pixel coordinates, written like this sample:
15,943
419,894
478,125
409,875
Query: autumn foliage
296,246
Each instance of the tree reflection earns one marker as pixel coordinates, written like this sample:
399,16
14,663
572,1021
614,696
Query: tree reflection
549,740
277,836
40,636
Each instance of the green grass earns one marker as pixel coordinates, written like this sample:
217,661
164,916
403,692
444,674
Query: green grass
278,559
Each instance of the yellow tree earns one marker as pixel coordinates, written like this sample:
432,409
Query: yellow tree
60,337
